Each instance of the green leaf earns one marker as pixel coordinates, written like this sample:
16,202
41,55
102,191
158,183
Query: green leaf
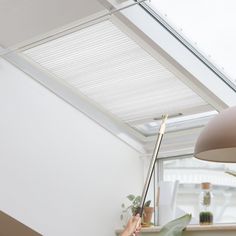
147,203
137,201
138,198
175,227
134,209
131,197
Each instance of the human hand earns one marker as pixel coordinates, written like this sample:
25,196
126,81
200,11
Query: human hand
133,226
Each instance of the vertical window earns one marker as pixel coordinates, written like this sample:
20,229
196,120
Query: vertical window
190,172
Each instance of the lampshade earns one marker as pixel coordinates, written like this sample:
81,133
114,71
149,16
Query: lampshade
217,141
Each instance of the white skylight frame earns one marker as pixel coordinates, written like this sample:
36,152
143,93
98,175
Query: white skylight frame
112,70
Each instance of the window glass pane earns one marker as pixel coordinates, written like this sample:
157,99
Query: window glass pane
208,25
191,172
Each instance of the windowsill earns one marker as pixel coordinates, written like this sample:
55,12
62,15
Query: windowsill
216,227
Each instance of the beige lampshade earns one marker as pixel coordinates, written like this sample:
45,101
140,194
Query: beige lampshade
217,141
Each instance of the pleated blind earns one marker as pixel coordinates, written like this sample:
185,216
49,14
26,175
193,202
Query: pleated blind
113,71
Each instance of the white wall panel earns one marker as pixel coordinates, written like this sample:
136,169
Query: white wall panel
60,173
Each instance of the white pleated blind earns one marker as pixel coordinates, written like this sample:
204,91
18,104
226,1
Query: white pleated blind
109,68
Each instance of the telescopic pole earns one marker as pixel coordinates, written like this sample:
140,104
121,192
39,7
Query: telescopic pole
152,164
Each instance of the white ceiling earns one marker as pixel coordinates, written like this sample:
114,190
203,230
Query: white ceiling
22,20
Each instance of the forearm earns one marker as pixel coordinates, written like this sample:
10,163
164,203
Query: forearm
133,226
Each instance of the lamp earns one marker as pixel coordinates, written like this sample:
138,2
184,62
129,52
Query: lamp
217,141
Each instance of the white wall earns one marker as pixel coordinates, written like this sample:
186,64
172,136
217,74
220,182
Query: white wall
60,173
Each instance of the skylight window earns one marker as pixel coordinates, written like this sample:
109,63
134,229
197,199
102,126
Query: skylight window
116,74
208,25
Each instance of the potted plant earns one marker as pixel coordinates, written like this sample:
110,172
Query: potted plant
131,209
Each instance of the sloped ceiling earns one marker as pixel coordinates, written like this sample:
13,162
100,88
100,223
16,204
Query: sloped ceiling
21,20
